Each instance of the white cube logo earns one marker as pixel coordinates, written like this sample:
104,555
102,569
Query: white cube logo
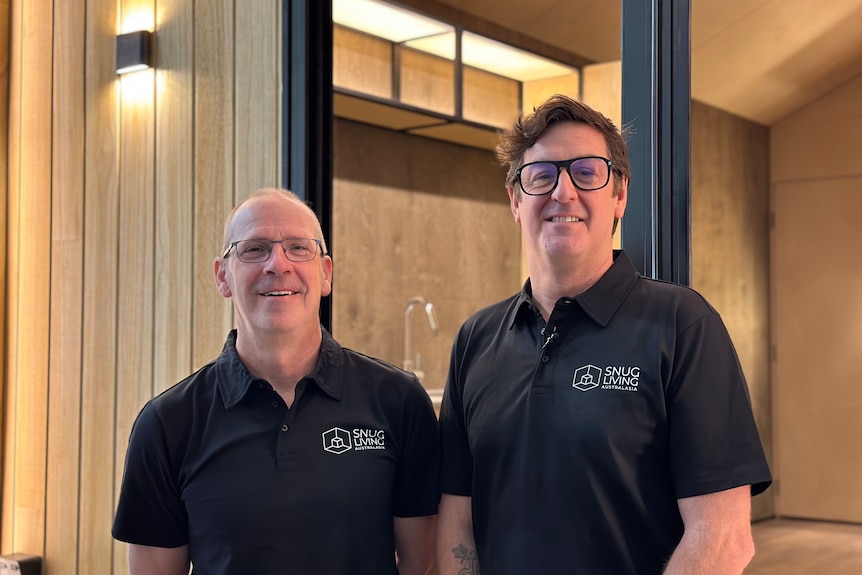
336,440
587,377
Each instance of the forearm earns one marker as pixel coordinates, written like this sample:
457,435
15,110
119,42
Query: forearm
145,560
717,538
414,544
710,554
456,549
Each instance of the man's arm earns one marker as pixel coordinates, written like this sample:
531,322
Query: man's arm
414,544
717,538
456,549
146,560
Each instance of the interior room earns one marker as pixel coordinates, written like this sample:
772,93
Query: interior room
422,234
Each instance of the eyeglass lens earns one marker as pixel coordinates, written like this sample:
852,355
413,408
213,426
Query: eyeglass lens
587,174
259,250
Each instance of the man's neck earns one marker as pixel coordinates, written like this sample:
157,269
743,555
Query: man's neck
551,280
281,359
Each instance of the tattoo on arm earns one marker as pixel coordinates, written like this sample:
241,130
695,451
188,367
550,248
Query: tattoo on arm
469,560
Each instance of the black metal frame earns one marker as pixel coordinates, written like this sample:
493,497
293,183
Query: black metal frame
656,104
307,116
656,63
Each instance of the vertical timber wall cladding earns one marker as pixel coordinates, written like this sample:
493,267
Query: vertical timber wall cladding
117,193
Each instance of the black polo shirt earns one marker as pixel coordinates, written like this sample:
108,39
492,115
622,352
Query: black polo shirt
220,463
576,438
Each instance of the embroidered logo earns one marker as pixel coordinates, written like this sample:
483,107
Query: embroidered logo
338,440
586,377
618,378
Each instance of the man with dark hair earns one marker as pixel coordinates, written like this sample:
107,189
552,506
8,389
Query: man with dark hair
597,422
288,453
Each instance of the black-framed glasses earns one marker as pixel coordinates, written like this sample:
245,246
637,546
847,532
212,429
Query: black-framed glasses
587,174
256,251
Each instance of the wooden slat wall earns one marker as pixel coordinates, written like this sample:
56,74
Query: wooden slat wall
11,237
258,97
118,190
135,228
29,324
174,208
67,254
213,176
98,336
5,157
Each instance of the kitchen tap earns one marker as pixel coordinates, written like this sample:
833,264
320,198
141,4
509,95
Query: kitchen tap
408,363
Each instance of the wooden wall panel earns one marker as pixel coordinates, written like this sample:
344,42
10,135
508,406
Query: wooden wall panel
361,63
816,167
490,99
214,143
135,297
431,219
136,243
534,92
120,190
29,266
11,283
67,254
174,182
99,329
822,140
5,59
427,81
818,341
602,89
257,80
730,246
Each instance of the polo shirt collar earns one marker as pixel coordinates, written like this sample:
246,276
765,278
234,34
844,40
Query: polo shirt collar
234,380
600,302
605,297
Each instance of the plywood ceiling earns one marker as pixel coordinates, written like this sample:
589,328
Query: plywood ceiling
759,59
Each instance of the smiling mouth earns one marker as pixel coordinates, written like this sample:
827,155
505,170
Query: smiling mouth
279,293
566,219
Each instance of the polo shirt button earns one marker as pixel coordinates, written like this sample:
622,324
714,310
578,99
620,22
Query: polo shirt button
284,427
275,404
544,359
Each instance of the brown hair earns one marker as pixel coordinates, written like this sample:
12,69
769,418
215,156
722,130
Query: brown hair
527,130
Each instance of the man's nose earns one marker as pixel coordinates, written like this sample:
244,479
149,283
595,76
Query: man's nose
566,189
278,258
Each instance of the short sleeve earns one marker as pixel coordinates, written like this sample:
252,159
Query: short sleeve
150,511
457,460
417,481
714,442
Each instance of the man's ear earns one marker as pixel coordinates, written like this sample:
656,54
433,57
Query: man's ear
514,203
622,197
220,272
326,288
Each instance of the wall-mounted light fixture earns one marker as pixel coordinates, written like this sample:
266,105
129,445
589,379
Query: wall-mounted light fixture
134,51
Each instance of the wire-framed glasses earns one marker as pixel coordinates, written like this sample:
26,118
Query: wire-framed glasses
587,174
255,251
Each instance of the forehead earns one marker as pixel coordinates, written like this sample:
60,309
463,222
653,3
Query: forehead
567,140
273,217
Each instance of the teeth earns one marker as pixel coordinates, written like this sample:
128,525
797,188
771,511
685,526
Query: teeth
280,293
565,219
